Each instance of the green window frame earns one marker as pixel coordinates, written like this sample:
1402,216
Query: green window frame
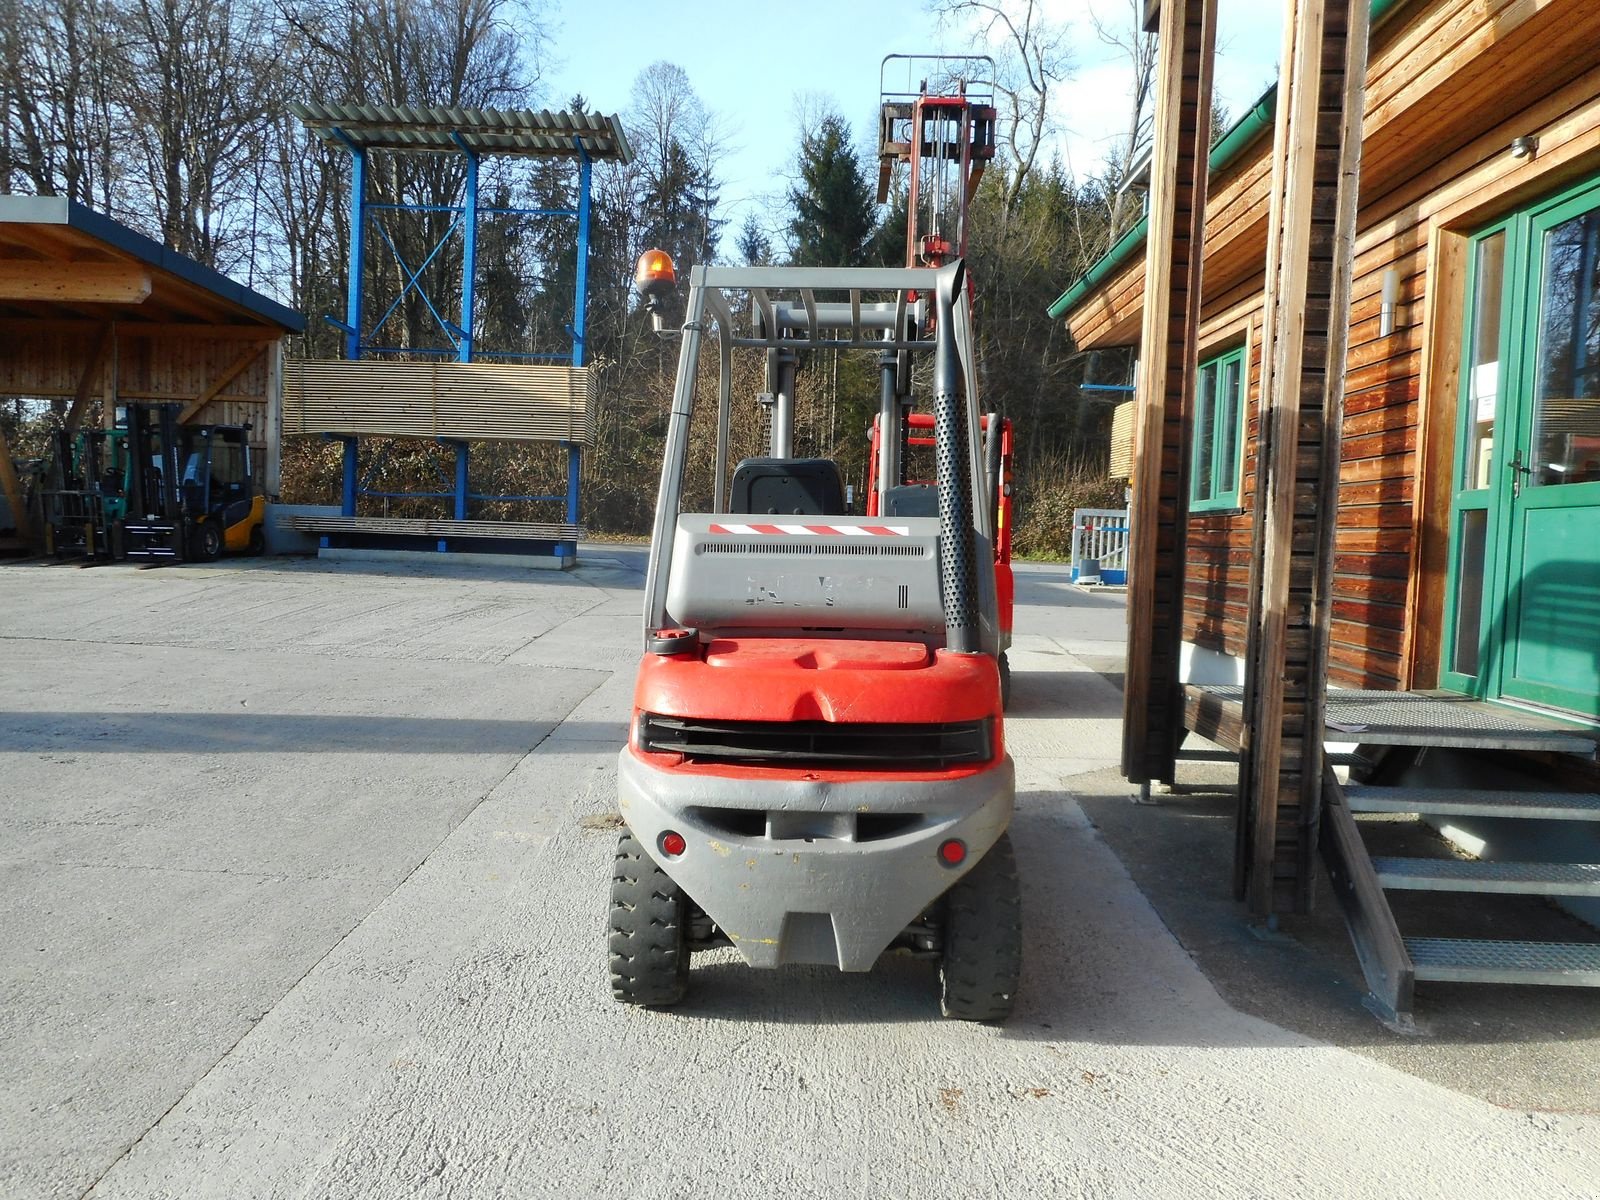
1218,442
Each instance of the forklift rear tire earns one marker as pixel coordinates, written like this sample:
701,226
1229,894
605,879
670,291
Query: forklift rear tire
982,957
208,541
649,928
258,542
1005,681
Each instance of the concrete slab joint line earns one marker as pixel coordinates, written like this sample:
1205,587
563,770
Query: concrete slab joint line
248,956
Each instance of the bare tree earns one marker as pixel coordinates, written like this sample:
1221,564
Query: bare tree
1139,48
1031,57
57,60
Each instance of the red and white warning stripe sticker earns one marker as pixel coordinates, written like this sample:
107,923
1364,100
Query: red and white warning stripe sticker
815,530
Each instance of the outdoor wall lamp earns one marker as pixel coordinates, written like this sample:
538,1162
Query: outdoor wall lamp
1391,301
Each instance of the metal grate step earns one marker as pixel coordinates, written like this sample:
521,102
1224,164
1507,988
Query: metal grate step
1467,960
1342,758
1475,802
1473,875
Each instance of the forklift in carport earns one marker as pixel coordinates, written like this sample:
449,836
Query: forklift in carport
191,489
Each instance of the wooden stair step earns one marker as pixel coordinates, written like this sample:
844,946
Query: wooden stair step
1476,875
1470,960
1475,802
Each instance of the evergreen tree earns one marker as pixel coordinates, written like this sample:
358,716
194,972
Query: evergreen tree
753,244
833,203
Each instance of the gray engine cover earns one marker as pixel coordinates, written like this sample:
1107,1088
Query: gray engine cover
848,573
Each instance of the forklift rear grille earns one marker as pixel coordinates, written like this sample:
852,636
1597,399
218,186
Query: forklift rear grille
821,743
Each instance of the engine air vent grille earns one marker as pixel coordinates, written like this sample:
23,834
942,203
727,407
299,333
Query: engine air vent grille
821,743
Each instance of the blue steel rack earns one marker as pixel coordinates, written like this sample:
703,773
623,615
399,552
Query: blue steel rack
585,138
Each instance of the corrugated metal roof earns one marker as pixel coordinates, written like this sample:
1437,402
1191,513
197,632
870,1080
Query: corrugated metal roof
522,131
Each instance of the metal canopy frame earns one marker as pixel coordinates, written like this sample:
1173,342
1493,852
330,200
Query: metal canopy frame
862,308
473,134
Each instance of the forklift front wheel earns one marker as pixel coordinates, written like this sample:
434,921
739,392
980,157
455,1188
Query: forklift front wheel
983,939
258,542
1005,680
208,541
649,930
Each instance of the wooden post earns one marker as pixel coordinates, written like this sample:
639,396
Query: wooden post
1310,257
91,375
12,487
271,475
1152,696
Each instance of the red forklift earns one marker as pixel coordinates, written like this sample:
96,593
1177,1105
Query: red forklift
816,768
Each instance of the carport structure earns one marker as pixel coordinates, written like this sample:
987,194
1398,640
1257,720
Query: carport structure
93,314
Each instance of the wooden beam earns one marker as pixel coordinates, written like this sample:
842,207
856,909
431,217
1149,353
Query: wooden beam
12,487
1168,352
91,374
1310,260
229,373
17,327
73,282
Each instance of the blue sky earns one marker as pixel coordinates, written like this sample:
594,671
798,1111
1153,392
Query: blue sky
749,59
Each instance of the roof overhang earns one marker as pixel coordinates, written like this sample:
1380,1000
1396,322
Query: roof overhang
61,260
1241,137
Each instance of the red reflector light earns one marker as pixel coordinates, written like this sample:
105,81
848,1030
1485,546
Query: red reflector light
953,853
673,845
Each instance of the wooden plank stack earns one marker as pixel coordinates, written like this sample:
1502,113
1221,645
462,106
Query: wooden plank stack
466,401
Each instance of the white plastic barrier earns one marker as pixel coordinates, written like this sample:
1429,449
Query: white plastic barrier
1100,535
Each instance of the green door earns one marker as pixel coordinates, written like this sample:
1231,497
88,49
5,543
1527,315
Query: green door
1524,617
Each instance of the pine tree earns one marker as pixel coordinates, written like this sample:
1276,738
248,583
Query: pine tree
753,244
833,205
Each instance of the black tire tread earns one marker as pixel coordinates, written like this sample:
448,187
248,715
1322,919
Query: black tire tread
648,948
982,958
1005,681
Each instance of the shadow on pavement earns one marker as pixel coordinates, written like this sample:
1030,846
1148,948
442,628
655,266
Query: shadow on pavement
282,733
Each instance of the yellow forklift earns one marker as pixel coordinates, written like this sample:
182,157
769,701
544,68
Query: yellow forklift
191,488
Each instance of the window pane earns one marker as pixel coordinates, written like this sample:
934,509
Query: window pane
1205,429
1229,398
1483,379
1469,589
1566,430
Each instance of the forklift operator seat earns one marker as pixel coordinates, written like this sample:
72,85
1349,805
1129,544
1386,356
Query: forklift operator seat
809,487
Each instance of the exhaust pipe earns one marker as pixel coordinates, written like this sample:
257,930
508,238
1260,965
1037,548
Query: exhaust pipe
958,566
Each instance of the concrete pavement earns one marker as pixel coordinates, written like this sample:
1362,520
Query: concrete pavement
304,878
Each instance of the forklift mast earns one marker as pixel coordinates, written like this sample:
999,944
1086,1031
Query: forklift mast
943,132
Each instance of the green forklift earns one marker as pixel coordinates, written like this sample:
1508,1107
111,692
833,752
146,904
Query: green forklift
84,494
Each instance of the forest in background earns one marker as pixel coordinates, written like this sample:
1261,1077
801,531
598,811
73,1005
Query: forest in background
174,117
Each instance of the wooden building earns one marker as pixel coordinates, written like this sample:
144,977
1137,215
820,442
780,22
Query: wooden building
93,314
1461,507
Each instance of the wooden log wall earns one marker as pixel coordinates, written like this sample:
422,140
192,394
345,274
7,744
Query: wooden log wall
1310,258
233,373
1152,698
1435,161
